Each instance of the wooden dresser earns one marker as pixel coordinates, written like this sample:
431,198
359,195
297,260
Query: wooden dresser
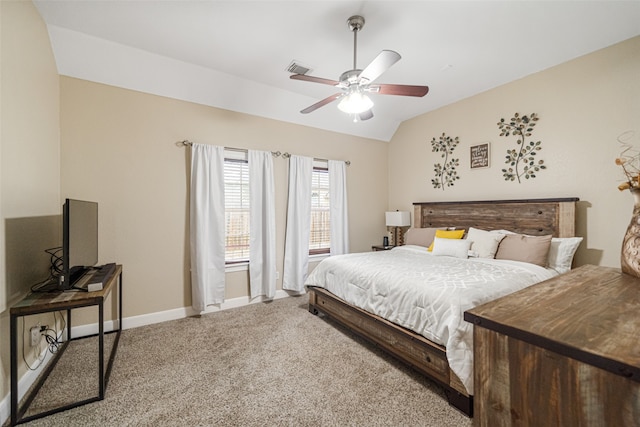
565,352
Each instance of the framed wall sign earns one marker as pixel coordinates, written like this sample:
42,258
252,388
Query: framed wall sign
480,156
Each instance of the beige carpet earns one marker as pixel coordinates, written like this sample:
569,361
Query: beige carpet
267,364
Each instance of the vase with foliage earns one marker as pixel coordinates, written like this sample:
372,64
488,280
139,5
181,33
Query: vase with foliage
630,253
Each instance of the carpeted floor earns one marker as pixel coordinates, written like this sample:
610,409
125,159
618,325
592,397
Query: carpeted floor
267,364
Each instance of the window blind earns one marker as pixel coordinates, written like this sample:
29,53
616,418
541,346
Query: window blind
320,237
236,199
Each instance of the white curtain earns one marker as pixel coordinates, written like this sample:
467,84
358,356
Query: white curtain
262,212
207,229
296,250
338,214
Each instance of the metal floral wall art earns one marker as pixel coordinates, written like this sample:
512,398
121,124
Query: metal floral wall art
521,160
446,173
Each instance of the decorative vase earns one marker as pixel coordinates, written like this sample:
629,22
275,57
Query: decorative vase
630,255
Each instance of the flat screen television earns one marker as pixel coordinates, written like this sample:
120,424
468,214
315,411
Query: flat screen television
79,240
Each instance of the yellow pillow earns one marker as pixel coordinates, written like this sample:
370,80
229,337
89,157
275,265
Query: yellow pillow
447,234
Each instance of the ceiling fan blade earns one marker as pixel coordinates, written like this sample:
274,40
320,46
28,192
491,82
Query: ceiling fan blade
322,103
366,115
314,79
402,90
379,65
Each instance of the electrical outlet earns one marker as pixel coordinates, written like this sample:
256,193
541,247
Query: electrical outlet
35,336
277,275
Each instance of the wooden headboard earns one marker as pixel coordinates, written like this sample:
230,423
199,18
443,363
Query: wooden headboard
535,217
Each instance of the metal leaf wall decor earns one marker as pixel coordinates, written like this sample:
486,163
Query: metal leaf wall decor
446,173
522,160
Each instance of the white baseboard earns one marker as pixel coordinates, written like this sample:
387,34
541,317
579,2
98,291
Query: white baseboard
30,377
181,313
164,316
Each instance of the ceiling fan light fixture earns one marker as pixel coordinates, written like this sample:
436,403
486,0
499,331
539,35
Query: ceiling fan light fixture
353,83
355,103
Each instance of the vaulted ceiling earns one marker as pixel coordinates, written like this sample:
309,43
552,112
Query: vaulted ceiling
235,54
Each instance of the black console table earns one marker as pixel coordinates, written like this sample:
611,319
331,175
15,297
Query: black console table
36,303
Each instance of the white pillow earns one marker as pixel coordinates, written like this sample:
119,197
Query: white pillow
484,243
561,253
458,248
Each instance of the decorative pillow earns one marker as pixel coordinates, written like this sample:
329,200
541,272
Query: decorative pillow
561,253
484,243
420,236
458,248
520,247
447,234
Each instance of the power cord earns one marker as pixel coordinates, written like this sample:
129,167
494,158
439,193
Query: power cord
55,260
51,336
55,270
62,320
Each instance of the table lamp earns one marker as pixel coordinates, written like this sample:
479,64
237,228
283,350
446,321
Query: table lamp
397,220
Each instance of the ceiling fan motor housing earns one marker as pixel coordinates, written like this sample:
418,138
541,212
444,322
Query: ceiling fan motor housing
350,77
355,23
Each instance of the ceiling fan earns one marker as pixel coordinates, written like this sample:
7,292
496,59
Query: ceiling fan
356,83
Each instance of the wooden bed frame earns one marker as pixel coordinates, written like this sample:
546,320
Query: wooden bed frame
533,217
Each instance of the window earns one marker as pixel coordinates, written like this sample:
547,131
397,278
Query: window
236,200
320,237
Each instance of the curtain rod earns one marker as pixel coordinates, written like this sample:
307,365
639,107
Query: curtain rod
287,155
187,143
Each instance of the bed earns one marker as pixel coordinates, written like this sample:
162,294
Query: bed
411,302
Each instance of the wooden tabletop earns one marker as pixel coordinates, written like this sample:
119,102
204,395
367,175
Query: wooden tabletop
39,302
591,314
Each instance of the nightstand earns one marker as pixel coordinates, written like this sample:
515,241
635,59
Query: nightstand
381,248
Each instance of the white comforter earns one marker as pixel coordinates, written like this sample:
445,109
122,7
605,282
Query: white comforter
425,293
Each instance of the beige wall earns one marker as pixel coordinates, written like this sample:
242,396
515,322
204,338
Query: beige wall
29,155
118,148
583,105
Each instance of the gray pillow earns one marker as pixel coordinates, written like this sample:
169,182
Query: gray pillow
419,236
519,247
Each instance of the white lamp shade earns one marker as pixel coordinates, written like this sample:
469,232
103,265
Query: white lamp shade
397,219
355,103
